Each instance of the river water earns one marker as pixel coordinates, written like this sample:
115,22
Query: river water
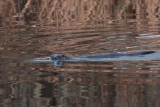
37,29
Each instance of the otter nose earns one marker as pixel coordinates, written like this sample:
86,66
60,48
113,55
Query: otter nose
57,57
53,57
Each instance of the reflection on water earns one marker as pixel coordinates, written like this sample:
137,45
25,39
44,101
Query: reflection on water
88,84
36,29
81,89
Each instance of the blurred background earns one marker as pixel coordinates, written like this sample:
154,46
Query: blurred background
32,29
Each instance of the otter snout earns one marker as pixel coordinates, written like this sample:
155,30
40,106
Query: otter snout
58,57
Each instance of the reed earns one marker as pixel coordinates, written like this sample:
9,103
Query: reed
77,12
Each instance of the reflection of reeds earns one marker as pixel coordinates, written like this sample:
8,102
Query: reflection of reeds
76,12
78,87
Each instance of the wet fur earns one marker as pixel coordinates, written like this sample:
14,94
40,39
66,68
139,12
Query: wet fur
62,57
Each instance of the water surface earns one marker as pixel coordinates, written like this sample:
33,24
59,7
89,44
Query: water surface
31,29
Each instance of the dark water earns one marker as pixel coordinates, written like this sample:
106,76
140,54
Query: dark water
37,29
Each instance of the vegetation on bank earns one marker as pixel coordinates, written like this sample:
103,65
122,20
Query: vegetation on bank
77,12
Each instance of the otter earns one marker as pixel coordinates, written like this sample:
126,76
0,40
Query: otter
62,57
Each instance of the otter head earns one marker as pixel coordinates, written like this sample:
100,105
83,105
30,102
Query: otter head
58,57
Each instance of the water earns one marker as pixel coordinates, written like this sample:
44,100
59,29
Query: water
33,29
